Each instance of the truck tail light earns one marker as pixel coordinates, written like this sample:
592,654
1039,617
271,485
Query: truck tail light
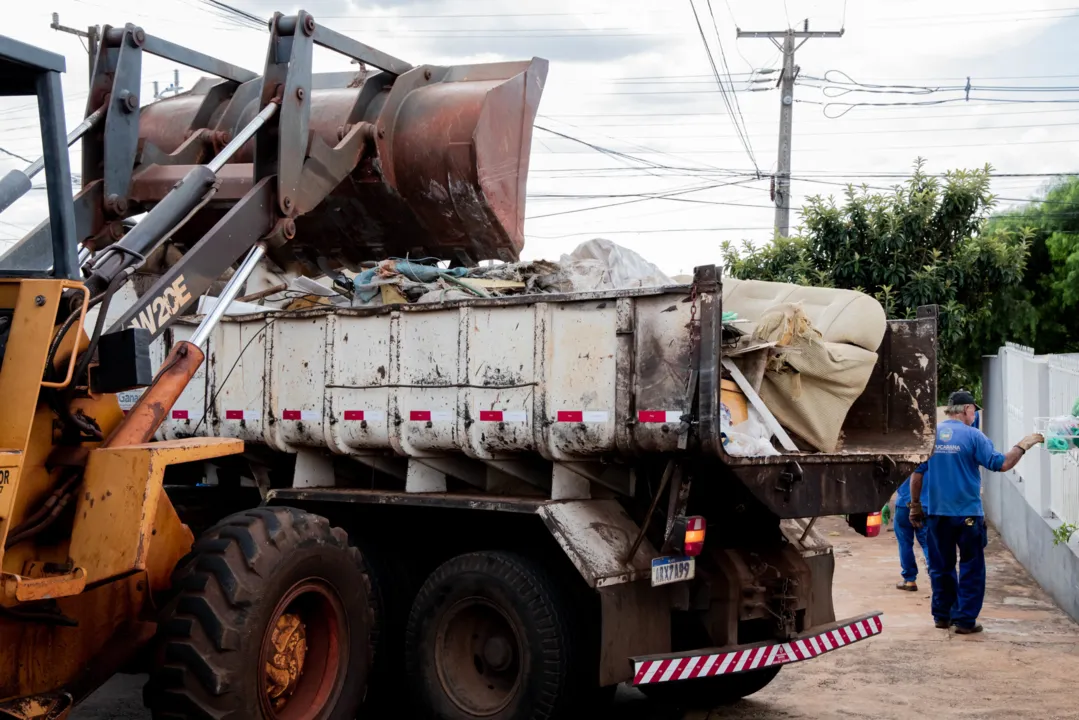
694,542
872,524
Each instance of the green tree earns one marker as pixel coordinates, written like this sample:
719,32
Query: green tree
922,242
1052,275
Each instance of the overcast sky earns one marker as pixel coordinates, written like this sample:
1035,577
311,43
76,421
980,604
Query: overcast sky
634,76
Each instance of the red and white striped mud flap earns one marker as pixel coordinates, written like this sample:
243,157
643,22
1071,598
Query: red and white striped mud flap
698,664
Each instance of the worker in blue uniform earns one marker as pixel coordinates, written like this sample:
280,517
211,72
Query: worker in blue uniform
957,520
905,534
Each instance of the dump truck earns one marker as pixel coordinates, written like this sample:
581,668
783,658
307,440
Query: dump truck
497,507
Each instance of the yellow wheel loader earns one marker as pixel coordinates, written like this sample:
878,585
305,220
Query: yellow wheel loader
270,611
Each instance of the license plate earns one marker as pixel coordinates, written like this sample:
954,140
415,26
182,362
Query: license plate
667,570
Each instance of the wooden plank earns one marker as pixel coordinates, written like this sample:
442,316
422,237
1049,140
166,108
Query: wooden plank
755,400
493,284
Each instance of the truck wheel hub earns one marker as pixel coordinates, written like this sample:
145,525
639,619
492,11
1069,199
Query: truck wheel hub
477,657
498,653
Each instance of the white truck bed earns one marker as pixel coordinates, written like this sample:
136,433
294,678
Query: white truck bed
569,377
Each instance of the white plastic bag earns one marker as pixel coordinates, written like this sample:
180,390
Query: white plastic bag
749,438
600,264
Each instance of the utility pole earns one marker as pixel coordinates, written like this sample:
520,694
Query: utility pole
91,34
786,111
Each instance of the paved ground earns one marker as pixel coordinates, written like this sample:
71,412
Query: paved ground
1022,666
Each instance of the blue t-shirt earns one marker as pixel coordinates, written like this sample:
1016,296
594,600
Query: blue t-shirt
903,493
956,489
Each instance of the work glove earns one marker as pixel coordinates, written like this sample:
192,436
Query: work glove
917,514
1030,441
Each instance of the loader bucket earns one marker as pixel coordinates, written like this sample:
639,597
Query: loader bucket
448,181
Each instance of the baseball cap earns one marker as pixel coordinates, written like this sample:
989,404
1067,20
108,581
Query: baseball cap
962,397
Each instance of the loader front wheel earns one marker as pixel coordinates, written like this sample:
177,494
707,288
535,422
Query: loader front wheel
272,619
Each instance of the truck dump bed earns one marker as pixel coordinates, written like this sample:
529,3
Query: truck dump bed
573,378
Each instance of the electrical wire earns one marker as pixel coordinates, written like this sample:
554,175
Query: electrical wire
868,118
16,156
719,81
221,387
239,17
730,82
844,133
673,195
847,107
647,232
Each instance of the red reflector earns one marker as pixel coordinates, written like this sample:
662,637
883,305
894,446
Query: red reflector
872,524
695,529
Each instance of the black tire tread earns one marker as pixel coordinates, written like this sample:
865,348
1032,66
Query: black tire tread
214,585
531,583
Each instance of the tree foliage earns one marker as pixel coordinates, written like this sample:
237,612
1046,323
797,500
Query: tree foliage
926,241
1052,275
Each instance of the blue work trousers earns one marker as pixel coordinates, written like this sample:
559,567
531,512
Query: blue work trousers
904,535
957,598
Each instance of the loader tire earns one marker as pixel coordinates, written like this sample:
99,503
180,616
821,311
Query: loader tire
272,620
710,693
488,638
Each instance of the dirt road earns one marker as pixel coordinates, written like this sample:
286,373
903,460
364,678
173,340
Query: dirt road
1022,666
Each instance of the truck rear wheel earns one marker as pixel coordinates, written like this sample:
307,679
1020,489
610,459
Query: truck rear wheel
708,693
488,639
271,619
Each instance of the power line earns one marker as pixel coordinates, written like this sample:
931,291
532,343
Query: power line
648,232
934,129
672,195
875,147
719,81
869,118
16,156
730,81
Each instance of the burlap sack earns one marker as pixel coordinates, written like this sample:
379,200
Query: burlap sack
810,385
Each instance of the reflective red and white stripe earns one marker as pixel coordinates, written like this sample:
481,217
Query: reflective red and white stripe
430,415
698,666
309,415
503,416
182,415
659,416
242,414
582,416
368,415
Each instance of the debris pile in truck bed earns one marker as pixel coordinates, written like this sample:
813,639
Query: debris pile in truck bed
594,265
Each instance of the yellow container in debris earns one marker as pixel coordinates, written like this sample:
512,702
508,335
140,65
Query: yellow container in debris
732,403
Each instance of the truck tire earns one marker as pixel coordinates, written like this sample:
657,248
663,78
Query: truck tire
487,638
708,693
271,619
394,583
